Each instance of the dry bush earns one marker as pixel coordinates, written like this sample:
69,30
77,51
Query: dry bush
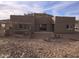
13,50
73,39
38,48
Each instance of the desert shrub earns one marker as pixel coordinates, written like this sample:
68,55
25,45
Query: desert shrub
15,51
72,39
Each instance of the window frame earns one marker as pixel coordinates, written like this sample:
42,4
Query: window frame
43,27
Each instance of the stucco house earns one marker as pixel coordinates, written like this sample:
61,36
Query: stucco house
64,24
40,22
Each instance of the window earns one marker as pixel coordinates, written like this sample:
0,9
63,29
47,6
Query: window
67,26
43,27
20,26
26,26
23,26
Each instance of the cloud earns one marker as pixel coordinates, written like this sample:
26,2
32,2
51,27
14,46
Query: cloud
8,8
73,13
60,6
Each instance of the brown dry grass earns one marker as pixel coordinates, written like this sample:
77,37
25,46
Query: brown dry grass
38,48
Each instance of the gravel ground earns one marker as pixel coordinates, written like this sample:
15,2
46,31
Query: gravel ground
38,48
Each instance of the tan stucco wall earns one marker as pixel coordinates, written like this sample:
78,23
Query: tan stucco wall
23,19
43,20
62,22
34,20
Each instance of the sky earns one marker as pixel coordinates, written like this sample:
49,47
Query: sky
56,8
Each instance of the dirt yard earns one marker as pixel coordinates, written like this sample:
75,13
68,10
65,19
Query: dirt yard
13,47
